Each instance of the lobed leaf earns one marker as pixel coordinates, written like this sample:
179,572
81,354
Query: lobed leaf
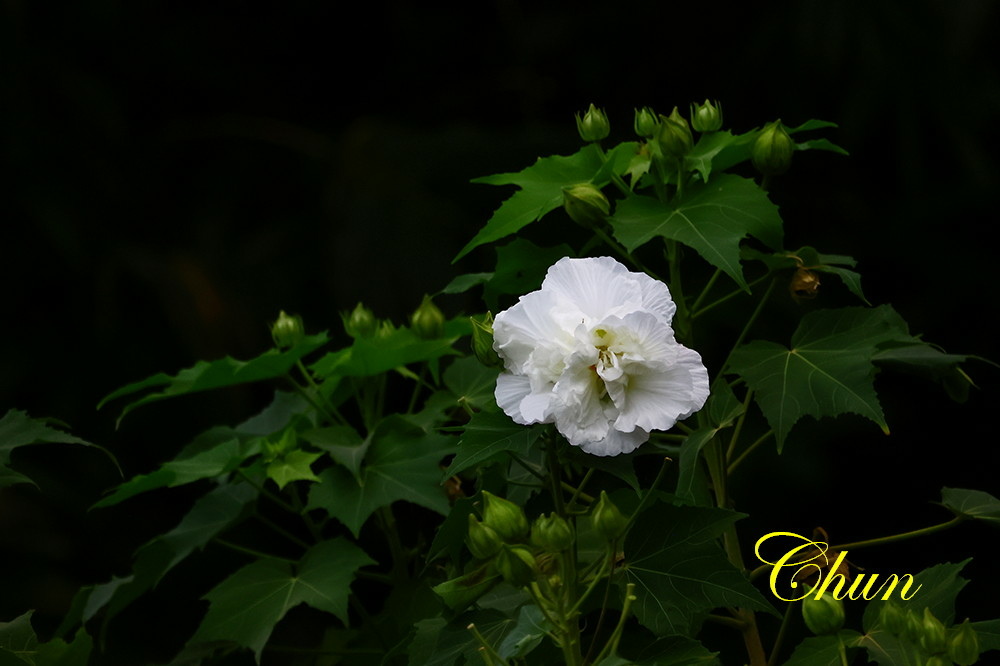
207,375
828,370
402,463
541,188
826,650
974,504
486,436
17,429
679,570
246,606
712,219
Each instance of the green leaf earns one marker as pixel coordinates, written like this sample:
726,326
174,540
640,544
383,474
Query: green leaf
828,370
458,593
343,443
206,375
824,650
687,471
708,148
293,466
246,606
712,219
18,638
821,144
451,533
486,436
808,258
472,382
213,513
679,569
886,649
676,651
988,633
972,504
938,588
221,458
541,190
375,355
529,630
463,283
402,463
17,429
520,268
441,643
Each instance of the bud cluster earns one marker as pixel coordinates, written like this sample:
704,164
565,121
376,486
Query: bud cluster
957,645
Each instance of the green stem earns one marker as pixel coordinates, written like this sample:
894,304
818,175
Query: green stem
487,649
647,498
924,531
748,325
527,467
267,493
612,551
739,426
782,632
282,531
725,621
615,178
682,317
731,295
250,551
321,404
611,647
388,523
750,449
620,250
578,491
704,292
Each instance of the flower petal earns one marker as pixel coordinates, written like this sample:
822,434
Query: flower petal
616,442
657,400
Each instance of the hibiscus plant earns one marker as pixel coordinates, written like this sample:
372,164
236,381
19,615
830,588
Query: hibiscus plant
546,481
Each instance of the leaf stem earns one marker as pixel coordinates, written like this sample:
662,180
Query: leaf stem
750,449
267,493
252,552
747,326
903,536
782,632
704,291
727,297
739,428
612,645
282,531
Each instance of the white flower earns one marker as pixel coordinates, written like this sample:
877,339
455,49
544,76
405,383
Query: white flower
593,352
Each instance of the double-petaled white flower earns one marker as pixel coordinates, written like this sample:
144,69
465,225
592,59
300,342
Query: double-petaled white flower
593,352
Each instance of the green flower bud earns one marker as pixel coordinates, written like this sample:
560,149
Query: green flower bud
505,517
384,330
914,627
892,618
674,135
933,636
937,660
706,117
428,321
482,341
517,565
288,330
824,615
607,519
360,323
963,645
586,204
772,150
482,540
594,125
646,123
552,533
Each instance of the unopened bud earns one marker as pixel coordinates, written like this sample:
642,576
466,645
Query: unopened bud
505,517
428,321
586,204
771,152
608,521
937,660
288,330
674,135
594,125
824,615
706,117
552,533
360,323
517,565
482,341
892,618
963,645
646,123
934,636
482,540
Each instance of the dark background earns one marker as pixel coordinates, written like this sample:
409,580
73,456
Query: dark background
176,175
